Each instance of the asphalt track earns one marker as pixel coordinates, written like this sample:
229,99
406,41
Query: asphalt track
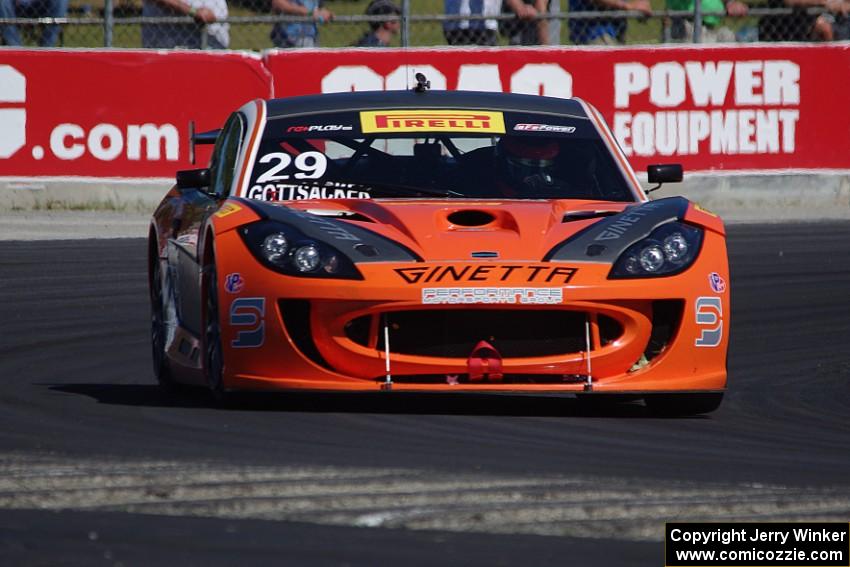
97,466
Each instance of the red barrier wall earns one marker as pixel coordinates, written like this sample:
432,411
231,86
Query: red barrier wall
115,113
125,113
732,108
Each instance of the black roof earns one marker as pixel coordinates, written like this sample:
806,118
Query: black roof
380,100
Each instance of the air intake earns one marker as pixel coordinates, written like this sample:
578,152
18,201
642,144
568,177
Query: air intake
471,218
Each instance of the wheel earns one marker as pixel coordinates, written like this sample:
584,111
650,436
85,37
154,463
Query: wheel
159,329
673,405
213,354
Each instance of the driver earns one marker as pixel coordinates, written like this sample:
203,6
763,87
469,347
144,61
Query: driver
525,166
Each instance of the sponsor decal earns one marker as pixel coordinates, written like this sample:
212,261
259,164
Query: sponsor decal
718,284
228,209
500,273
233,283
248,314
432,121
545,128
701,209
491,295
625,221
709,316
319,128
294,192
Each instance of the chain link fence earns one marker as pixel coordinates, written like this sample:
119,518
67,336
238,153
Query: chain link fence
263,24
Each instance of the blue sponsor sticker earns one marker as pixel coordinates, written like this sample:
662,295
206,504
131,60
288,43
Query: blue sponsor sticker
709,318
718,284
248,314
234,283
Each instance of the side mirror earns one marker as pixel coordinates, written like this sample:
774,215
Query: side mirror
666,173
193,179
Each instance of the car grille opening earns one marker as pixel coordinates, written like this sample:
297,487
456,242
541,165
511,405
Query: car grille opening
609,330
357,330
666,318
296,320
454,333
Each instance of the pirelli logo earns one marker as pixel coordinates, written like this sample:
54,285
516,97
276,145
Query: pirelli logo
228,209
376,121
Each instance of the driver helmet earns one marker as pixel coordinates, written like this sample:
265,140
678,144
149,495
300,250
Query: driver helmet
526,162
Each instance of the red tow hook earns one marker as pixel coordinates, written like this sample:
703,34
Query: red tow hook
484,362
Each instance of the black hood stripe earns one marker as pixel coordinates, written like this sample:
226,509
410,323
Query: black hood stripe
341,235
607,239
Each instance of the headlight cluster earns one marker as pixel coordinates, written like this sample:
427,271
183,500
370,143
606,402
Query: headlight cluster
285,249
670,248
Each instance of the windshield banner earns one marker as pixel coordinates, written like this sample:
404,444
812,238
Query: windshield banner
758,107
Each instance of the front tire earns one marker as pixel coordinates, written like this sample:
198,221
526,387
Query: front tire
682,405
161,368
213,352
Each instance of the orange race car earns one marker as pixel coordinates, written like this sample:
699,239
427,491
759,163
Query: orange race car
435,241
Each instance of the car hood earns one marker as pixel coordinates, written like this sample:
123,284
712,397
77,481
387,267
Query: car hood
463,230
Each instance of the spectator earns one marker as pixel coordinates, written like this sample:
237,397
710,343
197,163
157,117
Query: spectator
381,31
682,29
299,34
526,28
841,24
32,9
471,32
801,26
603,31
166,36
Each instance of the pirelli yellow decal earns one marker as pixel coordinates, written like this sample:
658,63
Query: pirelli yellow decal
472,121
706,211
227,209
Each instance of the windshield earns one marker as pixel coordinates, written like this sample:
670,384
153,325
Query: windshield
323,159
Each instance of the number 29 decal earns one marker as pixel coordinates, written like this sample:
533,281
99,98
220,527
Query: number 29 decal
308,165
709,317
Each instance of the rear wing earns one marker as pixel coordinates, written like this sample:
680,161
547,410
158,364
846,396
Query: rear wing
200,138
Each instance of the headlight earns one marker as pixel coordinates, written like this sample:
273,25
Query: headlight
676,247
287,250
275,247
670,248
652,259
307,258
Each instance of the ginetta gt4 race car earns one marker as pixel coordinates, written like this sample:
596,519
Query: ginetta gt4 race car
435,241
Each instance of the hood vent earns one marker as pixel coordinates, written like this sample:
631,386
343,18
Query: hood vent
471,218
340,214
584,215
